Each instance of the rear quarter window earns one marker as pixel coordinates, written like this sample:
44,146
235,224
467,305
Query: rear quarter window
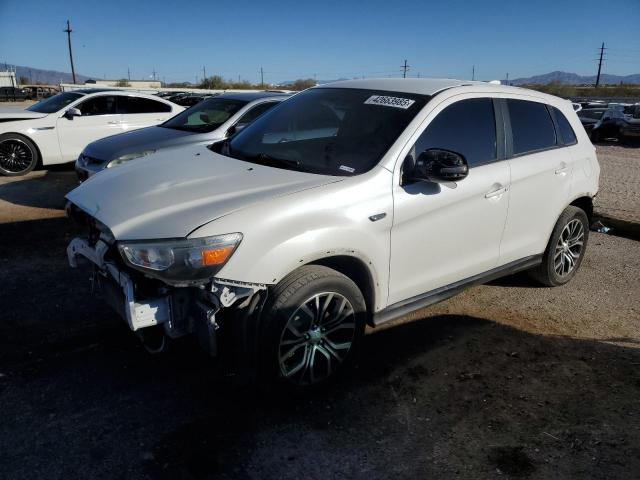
531,126
566,133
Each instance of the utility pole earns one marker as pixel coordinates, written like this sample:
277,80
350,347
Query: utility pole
507,78
473,72
73,70
154,74
261,78
129,73
405,68
600,65
204,73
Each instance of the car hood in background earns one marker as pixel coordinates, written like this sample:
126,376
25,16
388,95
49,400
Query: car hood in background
171,193
17,114
150,138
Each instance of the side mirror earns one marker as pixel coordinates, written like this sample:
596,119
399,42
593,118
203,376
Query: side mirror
73,112
440,166
236,128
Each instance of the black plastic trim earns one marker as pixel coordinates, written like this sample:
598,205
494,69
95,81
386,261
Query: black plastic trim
423,300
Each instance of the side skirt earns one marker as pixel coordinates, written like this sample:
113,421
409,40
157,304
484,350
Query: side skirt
404,307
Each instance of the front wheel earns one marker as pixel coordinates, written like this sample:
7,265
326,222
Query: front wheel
311,327
565,250
18,155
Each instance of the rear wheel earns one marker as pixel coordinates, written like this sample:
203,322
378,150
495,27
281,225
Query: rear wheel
312,327
565,250
18,155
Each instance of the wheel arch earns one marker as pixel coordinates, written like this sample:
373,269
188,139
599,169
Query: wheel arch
585,203
357,271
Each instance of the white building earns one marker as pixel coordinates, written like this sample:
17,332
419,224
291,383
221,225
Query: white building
8,79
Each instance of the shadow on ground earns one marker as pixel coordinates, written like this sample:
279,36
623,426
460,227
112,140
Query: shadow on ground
441,397
41,191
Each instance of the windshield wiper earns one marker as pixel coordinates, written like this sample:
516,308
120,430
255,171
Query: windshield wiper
266,159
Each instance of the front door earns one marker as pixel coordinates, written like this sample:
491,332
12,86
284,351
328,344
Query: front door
443,233
99,119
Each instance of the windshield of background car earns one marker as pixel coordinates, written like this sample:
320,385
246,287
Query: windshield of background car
55,103
331,131
206,116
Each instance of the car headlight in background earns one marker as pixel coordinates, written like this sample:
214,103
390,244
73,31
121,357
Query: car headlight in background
182,260
129,156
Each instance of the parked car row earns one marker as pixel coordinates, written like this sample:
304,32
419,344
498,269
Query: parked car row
13,94
611,122
58,128
280,227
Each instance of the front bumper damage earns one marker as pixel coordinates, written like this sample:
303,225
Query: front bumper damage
177,310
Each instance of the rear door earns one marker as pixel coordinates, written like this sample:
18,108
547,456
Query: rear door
541,170
99,119
140,112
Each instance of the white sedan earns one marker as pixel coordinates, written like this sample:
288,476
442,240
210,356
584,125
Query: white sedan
56,130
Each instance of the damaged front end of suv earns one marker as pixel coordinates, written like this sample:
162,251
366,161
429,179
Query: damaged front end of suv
164,289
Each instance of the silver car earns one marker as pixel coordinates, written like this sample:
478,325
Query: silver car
209,121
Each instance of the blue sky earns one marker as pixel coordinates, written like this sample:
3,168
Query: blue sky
328,39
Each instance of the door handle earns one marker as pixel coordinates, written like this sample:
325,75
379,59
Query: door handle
497,192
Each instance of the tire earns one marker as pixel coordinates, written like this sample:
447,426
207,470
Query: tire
18,155
565,250
301,348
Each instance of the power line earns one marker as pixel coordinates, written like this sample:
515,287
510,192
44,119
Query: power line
73,70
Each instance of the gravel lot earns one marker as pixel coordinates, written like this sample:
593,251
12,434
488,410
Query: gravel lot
619,195
507,379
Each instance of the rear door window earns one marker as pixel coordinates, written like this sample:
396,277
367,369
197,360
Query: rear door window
133,105
566,133
467,127
531,126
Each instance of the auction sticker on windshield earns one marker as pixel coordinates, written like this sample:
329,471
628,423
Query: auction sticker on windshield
396,102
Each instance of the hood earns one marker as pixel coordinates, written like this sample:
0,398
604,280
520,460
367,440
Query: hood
171,193
150,138
10,114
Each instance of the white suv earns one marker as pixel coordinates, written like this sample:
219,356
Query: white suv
349,204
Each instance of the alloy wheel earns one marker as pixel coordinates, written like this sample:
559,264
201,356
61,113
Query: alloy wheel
15,156
317,338
569,248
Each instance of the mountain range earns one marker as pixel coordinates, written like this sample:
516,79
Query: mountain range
49,77
575,79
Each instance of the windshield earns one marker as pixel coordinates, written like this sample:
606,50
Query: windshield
55,103
205,116
591,114
332,131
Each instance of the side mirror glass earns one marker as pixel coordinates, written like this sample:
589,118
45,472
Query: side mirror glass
73,112
438,165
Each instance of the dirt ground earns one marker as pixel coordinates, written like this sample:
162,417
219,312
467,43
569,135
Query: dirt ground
507,380
619,195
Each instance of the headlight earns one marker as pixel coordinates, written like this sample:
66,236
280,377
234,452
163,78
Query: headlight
127,157
184,260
